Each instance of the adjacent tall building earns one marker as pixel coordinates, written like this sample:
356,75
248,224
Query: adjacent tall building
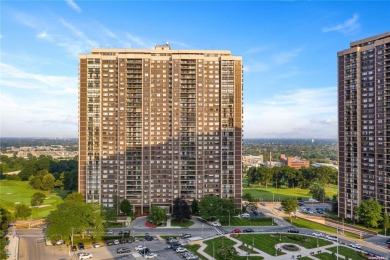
159,124
364,123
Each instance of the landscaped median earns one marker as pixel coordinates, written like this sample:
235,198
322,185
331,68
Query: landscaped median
267,243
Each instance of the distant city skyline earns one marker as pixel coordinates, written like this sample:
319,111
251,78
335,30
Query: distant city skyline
288,49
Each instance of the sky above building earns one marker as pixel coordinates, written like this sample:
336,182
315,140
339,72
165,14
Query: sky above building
289,51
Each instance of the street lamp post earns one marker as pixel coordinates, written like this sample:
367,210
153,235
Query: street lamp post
229,217
337,238
317,241
213,251
202,230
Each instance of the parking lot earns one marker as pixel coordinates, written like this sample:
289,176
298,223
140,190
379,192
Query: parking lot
109,252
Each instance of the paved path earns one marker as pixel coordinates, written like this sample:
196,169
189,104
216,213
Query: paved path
288,255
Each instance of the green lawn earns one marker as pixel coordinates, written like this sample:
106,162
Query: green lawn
12,192
273,194
194,249
214,244
302,223
267,242
185,223
236,221
347,252
325,256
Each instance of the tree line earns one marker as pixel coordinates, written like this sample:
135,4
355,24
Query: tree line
290,177
44,172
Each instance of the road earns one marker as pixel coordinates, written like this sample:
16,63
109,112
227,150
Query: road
32,245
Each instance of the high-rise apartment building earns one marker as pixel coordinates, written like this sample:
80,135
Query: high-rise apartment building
364,123
159,124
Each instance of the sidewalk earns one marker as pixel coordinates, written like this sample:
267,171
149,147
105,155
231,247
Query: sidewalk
12,247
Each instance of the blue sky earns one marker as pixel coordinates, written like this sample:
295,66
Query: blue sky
289,50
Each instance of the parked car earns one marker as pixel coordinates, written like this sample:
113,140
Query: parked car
181,250
140,247
248,230
81,246
333,238
216,224
237,231
356,246
293,230
148,238
186,236
59,242
110,243
95,244
151,255
301,203
116,242
122,250
73,248
245,215
125,232
110,232
388,241
84,255
144,251
318,234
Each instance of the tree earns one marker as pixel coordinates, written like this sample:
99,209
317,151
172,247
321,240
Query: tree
48,182
157,215
75,197
37,199
180,210
248,197
215,207
195,207
289,206
335,204
109,215
126,208
265,175
22,211
369,212
227,252
386,223
74,216
317,191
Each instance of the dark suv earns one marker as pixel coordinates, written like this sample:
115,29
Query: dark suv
81,246
293,230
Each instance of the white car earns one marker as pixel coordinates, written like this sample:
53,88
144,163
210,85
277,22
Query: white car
333,238
318,234
181,250
245,215
216,224
151,255
59,242
140,247
84,256
356,246
110,232
116,242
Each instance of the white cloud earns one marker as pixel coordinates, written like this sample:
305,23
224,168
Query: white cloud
37,116
13,77
348,27
285,57
73,5
301,113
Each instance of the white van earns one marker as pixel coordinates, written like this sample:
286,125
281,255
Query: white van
245,215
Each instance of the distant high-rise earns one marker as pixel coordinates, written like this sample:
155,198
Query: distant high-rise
159,124
364,123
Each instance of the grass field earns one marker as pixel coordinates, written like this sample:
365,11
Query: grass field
267,242
273,194
325,256
12,192
302,223
347,252
185,223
